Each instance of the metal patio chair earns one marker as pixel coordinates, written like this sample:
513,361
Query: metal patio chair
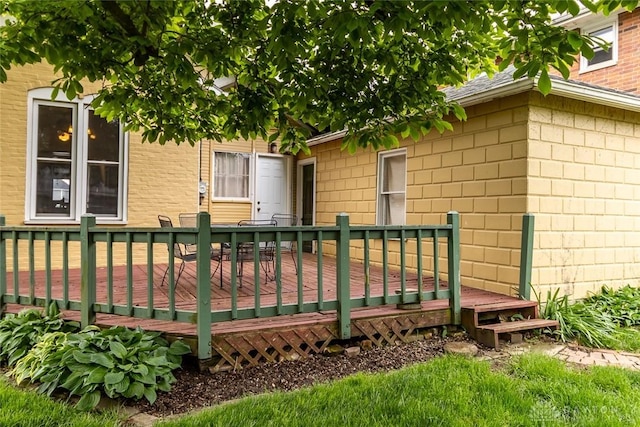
185,253
190,220
266,250
288,220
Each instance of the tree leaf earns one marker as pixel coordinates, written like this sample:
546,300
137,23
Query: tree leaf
575,40
544,83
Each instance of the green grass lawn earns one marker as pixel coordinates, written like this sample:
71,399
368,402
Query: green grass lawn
23,408
529,390
532,390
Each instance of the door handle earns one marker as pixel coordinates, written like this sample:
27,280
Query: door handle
258,209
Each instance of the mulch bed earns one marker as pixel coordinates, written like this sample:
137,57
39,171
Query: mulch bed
194,389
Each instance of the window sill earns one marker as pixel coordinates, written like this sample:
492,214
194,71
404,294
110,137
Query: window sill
596,67
231,200
67,221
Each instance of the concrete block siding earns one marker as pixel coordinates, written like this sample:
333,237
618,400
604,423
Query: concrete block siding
572,164
479,170
584,186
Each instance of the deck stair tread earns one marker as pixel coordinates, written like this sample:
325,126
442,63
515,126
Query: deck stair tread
519,325
488,322
501,305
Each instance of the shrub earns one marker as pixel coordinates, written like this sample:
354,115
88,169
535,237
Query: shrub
119,362
19,333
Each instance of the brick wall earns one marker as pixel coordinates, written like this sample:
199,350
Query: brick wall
625,75
584,186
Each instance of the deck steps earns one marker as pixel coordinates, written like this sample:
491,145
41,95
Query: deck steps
488,323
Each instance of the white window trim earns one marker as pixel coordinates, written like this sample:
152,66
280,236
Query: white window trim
248,199
610,22
381,156
78,164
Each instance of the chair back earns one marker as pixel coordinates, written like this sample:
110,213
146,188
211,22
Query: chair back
285,220
257,223
260,223
188,220
165,222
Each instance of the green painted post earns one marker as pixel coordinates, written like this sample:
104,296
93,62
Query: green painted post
203,260
526,256
343,276
87,271
3,266
453,252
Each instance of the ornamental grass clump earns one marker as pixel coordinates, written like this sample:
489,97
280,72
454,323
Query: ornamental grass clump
608,319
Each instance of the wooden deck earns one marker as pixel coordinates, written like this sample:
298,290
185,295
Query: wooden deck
317,327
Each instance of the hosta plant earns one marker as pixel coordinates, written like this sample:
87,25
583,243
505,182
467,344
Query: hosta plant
118,362
19,333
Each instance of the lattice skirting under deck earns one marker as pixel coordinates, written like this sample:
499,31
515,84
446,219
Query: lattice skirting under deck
234,351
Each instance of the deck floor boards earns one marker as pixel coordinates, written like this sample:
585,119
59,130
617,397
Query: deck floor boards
185,293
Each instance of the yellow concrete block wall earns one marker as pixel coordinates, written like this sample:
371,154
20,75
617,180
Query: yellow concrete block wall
479,170
584,169
161,179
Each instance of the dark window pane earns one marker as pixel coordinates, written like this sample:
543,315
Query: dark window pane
601,56
102,190
53,188
55,131
103,139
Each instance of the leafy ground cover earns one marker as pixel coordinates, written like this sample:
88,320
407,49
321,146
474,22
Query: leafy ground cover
608,319
531,390
40,348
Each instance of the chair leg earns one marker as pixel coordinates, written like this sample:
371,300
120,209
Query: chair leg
164,276
295,263
219,266
180,270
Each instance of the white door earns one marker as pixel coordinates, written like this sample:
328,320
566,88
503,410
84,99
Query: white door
272,189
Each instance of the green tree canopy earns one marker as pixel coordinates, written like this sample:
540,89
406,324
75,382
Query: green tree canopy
295,68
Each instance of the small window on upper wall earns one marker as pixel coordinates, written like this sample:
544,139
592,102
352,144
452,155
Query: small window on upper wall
231,174
392,187
603,56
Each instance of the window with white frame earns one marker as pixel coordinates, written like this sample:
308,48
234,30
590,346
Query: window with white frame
392,187
603,57
231,175
76,162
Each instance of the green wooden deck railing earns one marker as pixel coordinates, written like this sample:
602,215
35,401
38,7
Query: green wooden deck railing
410,241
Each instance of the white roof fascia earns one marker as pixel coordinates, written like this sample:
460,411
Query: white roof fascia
558,87
501,91
510,88
595,95
326,138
